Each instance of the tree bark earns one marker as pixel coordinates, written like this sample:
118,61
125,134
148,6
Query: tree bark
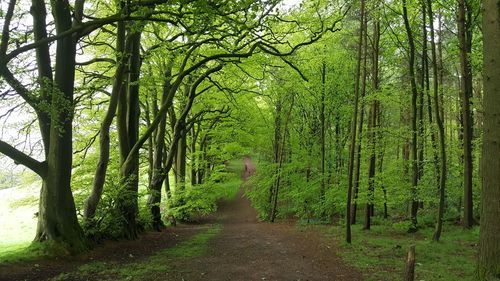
410,264
489,238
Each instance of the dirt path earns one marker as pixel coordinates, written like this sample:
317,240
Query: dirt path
245,249
250,250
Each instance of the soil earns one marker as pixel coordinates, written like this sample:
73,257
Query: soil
245,249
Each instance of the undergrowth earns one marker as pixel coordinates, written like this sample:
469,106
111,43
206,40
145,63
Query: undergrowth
380,253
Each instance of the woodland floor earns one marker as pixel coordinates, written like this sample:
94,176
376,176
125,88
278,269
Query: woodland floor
237,247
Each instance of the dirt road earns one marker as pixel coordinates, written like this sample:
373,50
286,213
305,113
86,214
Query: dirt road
250,250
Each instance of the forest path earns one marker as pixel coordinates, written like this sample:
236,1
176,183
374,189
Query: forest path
247,249
228,245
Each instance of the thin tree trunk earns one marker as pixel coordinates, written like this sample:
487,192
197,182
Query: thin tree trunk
414,144
353,127
441,132
93,199
464,39
361,122
281,159
372,128
322,119
158,172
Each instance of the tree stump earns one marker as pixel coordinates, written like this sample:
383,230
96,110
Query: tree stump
410,265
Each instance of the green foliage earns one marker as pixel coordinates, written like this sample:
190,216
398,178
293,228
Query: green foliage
201,199
108,222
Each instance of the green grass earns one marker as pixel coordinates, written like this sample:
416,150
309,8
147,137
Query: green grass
28,251
153,266
13,251
380,252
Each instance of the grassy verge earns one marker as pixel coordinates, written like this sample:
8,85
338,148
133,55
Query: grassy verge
155,266
380,252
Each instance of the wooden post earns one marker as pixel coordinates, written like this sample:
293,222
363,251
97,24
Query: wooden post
410,264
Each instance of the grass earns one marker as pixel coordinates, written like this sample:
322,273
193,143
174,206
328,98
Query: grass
12,251
380,252
152,267
29,251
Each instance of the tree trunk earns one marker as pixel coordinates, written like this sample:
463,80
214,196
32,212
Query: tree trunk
372,128
93,199
281,158
129,172
410,264
361,121
57,219
441,132
353,127
489,238
323,128
159,173
414,129
465,40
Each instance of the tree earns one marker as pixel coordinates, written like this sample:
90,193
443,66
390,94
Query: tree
57,221
464,23
489,241
414,113
441,132
354,125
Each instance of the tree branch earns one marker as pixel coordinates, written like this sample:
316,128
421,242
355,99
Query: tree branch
20,157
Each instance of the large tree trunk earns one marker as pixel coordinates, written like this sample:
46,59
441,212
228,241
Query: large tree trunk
489,239
57,219
129,172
